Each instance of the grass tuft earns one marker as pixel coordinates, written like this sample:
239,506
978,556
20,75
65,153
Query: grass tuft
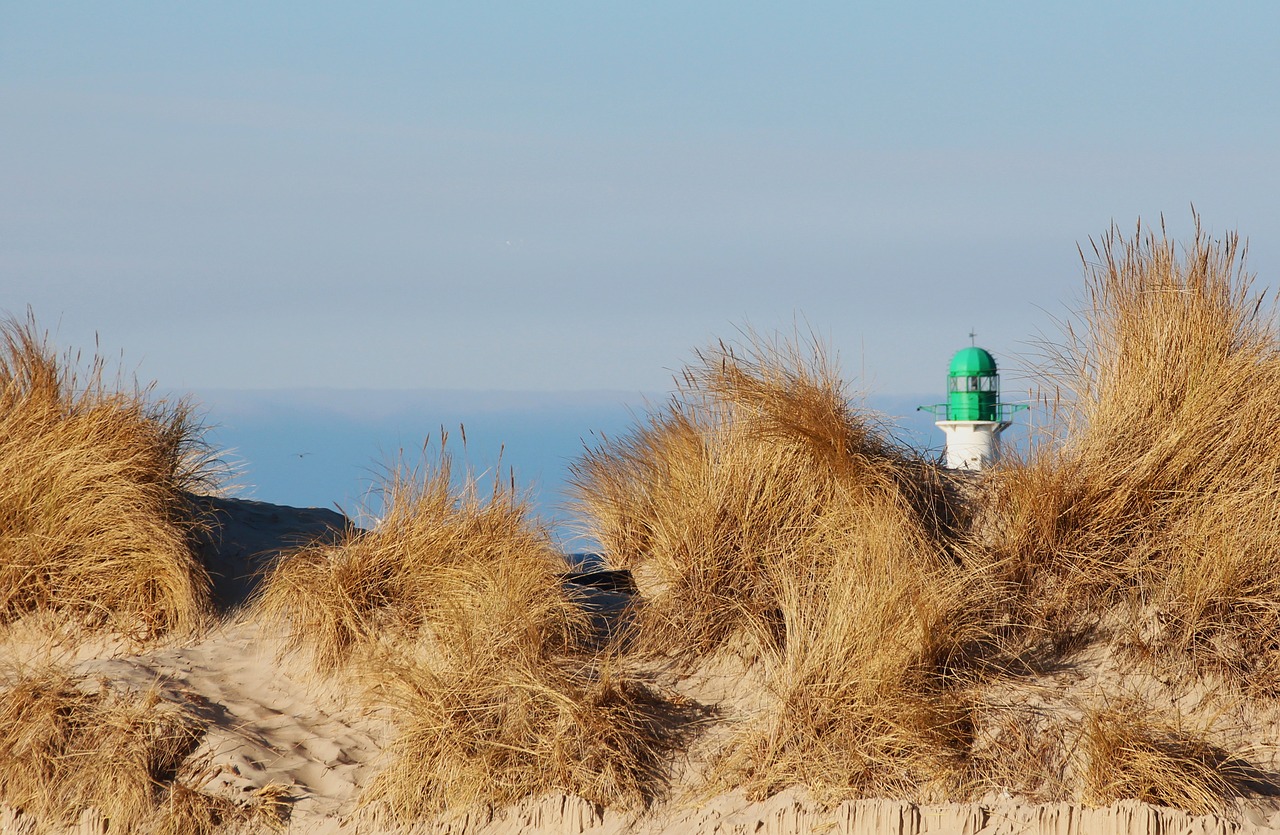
1131,755
453,612
1162,494
94,521
67,746
70,744
494,735
464,573
760,507
188,811
867,699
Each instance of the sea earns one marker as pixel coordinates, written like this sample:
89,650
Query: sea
338,448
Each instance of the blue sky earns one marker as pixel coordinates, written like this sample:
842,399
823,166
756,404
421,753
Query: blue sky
573,196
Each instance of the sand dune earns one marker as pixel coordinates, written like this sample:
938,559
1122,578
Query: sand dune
793,599
271,722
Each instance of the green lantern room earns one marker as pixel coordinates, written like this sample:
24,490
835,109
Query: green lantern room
973,416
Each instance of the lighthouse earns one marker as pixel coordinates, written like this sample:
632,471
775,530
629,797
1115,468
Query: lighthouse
973,418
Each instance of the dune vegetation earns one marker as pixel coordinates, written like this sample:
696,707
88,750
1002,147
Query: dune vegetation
764,515
895,608
69,744
97,534
453,612
94,517
462,568
1094,619
1149,525
1133,753
1161,494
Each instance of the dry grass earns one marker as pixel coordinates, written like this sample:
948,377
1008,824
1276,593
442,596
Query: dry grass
68,744
467,574
493,735
188,811
452,611
706,498
866,704
1152,521
760,514
760,508
1162,493
65,747
1024,749
94,523
1130,754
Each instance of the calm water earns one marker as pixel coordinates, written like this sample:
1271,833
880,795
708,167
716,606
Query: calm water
333,448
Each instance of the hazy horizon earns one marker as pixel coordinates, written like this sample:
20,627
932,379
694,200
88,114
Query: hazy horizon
332,448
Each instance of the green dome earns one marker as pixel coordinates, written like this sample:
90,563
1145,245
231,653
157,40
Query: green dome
972,362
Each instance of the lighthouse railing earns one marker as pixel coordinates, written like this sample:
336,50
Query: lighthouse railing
1004,411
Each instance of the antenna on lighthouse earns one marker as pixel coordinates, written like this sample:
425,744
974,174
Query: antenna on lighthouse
973,418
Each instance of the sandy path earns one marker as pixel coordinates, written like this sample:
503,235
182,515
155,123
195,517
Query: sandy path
269,722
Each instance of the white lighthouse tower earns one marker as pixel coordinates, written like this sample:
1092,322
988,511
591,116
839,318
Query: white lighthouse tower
973,418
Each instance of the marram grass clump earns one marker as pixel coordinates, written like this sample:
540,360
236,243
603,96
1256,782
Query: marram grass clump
869,702
711,494
69,744
1161,494
95,524
493,734
464,575
453,612
763,514
1132,754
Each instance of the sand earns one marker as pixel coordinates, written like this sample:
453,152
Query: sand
271,723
